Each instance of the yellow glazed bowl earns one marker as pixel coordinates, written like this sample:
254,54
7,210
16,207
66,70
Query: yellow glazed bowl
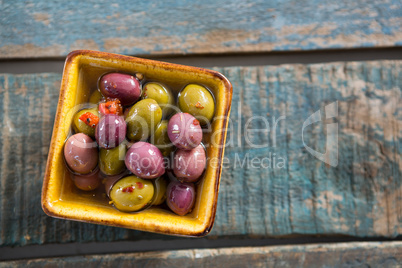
62,200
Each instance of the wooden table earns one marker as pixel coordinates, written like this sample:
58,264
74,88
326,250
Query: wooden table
303,212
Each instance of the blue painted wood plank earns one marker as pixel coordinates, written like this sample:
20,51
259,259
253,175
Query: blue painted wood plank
358,254
271,185
54,28
307,196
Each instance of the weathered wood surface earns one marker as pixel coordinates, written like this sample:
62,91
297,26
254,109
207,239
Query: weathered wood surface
54,28
360,254
362,196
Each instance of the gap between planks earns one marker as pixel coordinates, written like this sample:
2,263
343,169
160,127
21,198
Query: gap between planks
76,249
41,65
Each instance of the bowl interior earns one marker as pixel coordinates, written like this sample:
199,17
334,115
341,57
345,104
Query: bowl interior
62,199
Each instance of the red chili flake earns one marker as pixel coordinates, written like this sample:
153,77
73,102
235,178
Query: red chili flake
113,84
199,106
90,119
111,107
128,189
140,185
195,122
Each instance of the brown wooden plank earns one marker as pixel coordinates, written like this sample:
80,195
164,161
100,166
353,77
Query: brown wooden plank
361,196
357,254
30,29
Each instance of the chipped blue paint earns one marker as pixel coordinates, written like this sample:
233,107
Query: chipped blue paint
54,28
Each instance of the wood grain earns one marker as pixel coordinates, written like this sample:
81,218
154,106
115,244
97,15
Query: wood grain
30,29
358,254
361,196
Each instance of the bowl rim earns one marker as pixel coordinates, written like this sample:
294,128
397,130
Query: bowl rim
71,57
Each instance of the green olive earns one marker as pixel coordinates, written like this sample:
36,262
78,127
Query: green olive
161,94
132,193
142,119
80,126
197,101
161,139
111,161
95,97
160,195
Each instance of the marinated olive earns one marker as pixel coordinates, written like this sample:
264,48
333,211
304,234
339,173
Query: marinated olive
131,194
96,97
188,165
161,94
111,131
142,119
197,101
85,121
87,182
145,160
124,87
160,195
111,161
160,138
180,197
184,131
81,153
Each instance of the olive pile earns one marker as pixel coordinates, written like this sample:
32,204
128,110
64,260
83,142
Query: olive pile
135,137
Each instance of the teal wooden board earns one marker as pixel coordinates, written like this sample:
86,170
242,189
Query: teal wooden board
361,196
360,254
30,29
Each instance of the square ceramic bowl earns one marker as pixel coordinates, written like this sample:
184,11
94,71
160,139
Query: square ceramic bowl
61,199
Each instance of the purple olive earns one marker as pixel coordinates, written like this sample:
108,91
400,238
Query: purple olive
81,153
87,182
188,165
180,197
184,131
110,131
145,160
124,87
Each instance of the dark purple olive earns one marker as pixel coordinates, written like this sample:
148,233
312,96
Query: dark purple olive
124,87
180,197
184,131
110,131
145,160
188,165
87,182
81,153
